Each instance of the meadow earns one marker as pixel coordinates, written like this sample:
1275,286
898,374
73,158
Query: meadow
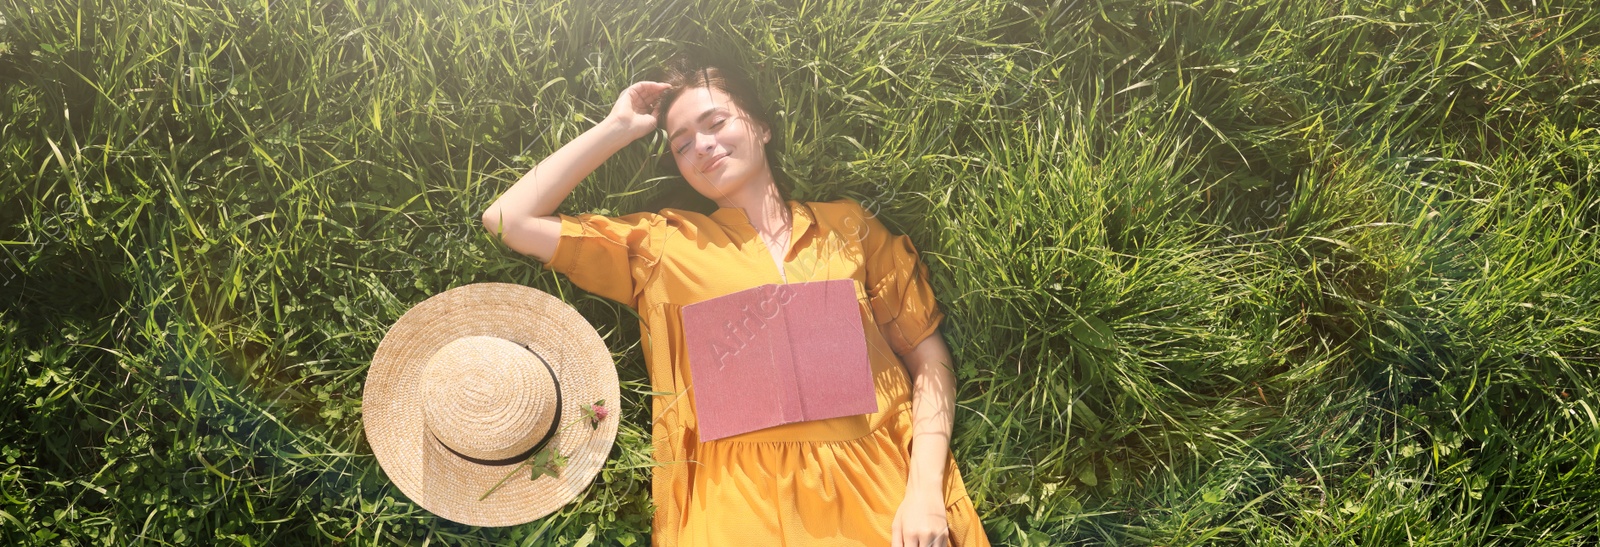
1266,272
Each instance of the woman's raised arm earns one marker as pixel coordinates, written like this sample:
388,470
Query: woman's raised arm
524,216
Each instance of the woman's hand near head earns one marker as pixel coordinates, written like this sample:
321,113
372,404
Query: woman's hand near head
635,109
524,216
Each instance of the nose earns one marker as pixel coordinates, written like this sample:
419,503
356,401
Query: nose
703,143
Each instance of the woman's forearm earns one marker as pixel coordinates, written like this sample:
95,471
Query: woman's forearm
543,188
933,396
524,216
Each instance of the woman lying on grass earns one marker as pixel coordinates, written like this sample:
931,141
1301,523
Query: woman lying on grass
883,478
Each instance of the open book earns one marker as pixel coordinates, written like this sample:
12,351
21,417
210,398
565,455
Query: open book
778,354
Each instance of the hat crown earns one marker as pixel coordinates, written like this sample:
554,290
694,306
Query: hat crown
488,398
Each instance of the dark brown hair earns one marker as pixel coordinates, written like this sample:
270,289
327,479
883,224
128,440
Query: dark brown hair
686,72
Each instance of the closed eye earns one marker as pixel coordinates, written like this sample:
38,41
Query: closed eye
684,148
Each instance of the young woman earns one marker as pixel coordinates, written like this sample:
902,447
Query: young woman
885,478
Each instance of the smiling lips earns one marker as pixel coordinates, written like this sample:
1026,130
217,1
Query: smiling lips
715,162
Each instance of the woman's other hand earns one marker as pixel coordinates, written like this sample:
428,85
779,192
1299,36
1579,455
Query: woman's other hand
921,520
635,110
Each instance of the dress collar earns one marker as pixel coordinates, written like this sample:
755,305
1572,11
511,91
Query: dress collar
732,216
800,213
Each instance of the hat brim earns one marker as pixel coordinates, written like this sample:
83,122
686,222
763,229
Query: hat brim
447,484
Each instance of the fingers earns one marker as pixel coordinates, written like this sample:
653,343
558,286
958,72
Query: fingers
646,94
642,96
894,534
898,538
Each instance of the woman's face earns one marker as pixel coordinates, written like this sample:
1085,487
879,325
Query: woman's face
716,145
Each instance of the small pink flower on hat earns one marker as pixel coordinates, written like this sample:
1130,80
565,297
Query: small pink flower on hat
597,413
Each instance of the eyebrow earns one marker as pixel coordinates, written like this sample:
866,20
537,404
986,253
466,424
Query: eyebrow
698,119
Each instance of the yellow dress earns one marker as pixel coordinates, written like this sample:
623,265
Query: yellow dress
837,481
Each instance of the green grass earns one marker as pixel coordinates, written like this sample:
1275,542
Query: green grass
1260,272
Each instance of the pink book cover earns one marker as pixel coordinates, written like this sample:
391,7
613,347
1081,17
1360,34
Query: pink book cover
778,354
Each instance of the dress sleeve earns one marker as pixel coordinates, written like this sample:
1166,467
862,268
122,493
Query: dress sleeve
897,284
609,256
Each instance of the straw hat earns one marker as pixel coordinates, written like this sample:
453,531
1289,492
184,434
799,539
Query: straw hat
465,387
